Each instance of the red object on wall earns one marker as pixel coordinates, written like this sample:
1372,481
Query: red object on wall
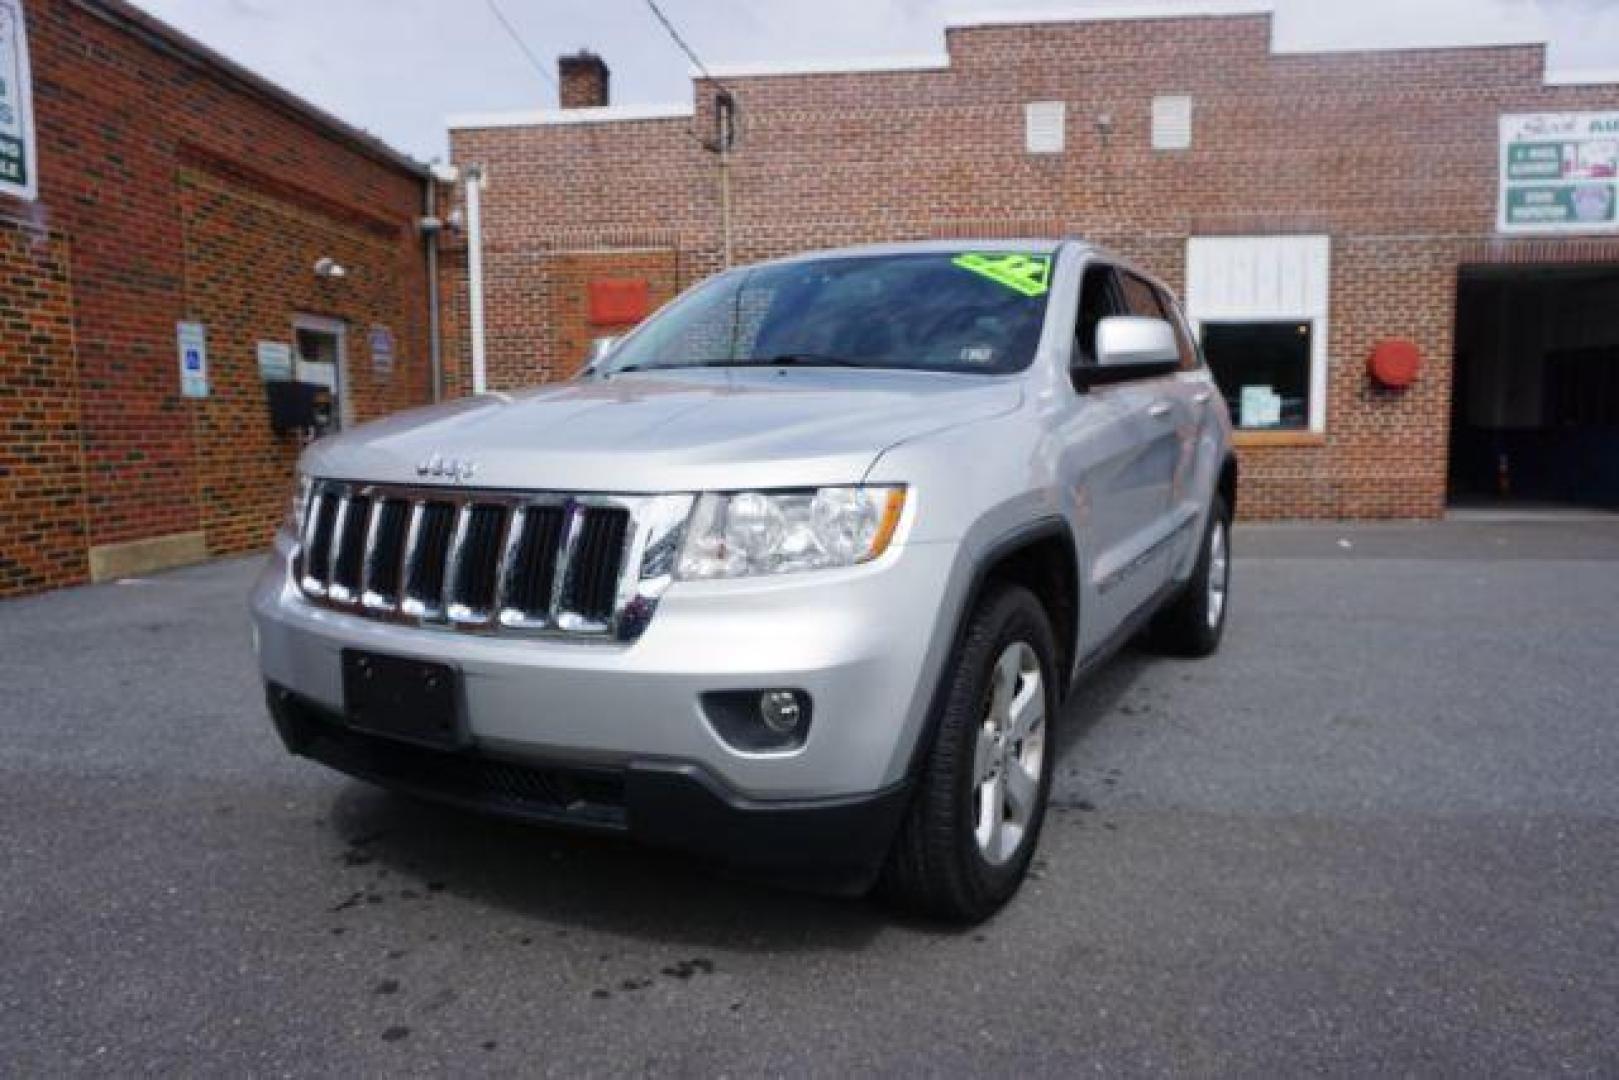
1395,363
615,301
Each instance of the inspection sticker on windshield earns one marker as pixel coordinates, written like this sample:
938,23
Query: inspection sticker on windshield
1027,274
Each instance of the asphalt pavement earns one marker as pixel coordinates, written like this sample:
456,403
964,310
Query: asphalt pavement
1378,833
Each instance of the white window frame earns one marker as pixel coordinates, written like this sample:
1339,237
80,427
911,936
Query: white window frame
1045,127
1245,279
323,324
1172,120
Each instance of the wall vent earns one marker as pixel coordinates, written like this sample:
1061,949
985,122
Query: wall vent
1172,122
1043,126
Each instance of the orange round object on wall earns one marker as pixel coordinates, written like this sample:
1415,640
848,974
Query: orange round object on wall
1395,363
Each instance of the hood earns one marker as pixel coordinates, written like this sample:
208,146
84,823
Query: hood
702,429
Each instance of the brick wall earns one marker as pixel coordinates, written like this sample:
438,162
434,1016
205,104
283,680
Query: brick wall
248,256
1392,154
41,467
187,191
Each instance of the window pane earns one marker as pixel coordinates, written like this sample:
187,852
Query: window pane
1097,300
1263,370
1140,297
1183,339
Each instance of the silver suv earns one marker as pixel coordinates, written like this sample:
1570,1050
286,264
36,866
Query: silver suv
796,576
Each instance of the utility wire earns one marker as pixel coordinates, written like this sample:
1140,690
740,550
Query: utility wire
697,61
681,42
545,72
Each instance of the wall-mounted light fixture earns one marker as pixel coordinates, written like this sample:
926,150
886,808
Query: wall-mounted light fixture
328,267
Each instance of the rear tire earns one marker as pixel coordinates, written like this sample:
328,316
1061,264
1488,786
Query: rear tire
1193,624
972,827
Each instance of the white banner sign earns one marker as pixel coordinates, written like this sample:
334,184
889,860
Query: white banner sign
1559,173
192,339
19,164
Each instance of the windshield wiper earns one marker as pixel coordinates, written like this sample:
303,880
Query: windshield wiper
676,367
785,359
805,359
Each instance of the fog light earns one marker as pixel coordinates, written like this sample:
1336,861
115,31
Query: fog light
779,710
760,721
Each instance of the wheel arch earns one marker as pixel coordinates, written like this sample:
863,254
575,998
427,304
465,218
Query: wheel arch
1042,557
1227,485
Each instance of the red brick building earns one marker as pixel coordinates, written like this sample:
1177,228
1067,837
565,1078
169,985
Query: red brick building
1308,206
174,187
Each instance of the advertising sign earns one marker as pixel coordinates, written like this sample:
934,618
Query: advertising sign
192,339
18,162
1559,173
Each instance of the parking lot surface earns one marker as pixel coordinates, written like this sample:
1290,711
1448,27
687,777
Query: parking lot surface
1378,832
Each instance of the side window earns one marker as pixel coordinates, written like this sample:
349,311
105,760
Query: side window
1190,361
1140,298
1098,298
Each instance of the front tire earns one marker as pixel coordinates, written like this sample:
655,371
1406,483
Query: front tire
971,831
1195,622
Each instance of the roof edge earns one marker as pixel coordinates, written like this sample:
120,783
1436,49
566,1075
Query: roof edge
1125,11
165,38
1583,77
598,114
854,65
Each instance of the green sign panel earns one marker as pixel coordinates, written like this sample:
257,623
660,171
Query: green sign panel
1559,173
1561,204
16,105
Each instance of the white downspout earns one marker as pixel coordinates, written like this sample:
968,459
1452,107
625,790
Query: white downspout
474,174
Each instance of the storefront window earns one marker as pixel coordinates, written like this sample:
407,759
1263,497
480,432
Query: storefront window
1263,370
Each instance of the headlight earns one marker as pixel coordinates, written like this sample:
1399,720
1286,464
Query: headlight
778,532
298,506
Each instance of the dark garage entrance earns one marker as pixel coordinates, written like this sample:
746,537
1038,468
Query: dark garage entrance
1535,404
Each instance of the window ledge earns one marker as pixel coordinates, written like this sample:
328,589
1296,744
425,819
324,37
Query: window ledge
1278,438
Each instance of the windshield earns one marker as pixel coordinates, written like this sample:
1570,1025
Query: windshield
952,311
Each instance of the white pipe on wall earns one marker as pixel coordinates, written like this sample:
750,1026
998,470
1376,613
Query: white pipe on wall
474,175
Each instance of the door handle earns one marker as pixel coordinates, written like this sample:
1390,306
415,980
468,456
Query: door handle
1202,396
1159,409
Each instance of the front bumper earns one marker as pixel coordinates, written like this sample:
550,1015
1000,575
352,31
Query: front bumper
865,644
838,844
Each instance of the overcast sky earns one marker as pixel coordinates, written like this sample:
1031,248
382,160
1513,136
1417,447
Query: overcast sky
399,67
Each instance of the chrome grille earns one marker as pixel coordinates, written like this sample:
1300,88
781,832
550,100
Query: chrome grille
489,561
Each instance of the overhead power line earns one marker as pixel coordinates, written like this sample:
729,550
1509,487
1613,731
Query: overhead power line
674,35
545,73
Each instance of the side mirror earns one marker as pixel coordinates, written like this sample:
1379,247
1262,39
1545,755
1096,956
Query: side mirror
1130,347
599,350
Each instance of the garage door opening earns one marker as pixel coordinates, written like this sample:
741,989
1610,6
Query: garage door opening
1535,404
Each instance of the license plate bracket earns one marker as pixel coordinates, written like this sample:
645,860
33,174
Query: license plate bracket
403,698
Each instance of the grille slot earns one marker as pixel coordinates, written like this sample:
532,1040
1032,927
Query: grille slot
349,551
429,548
592,583
318,542
387,553
477,561
492,562
532,577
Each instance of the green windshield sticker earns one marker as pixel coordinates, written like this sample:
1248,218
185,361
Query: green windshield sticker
1027,274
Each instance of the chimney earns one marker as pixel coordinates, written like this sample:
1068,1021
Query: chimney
582,80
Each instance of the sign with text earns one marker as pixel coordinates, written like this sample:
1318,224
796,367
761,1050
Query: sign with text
1559,173
19,162
381,340
192,339
275,361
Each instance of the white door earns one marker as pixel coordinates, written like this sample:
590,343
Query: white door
322,358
